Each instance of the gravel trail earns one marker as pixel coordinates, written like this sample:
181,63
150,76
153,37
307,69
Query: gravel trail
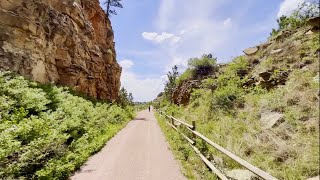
138,152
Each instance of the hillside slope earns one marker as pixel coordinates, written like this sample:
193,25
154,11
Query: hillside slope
46,132
263,106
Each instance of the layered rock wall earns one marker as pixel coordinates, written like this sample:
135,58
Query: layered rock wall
66,42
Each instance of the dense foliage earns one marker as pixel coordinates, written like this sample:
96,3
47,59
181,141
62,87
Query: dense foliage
199,68
202,67
46,132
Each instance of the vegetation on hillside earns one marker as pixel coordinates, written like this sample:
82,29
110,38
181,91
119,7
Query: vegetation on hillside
198,68
228,108
46,132
298,18
171,83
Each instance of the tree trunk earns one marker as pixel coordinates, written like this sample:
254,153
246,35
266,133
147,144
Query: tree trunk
108,7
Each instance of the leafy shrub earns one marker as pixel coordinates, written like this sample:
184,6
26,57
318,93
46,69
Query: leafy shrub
198,68
228,91
227,97
46,132
204,66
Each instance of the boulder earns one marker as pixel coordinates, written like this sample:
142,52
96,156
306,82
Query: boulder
251,51
270,119
275,51
264,45
241,174
310,32
271,78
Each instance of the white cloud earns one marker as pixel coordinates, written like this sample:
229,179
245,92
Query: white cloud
143,89
160,38
126,63
287,7
227,22
200,32
195,29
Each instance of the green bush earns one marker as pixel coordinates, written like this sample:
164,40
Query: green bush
227,97
199,68
202,67
46,132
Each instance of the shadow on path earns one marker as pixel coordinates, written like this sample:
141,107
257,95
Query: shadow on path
140,119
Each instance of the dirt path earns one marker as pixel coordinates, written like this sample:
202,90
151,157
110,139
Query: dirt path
137,152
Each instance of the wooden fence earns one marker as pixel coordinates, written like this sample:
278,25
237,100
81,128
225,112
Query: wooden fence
192,128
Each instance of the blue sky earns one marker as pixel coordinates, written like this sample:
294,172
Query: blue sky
153,35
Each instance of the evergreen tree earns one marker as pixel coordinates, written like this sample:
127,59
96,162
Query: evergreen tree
112,3
171,83
125,97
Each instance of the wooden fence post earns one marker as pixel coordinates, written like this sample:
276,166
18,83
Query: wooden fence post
172,120
194,129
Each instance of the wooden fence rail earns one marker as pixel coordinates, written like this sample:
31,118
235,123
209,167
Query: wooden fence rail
262,174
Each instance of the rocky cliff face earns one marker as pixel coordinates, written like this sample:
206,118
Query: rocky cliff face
67,42
181,94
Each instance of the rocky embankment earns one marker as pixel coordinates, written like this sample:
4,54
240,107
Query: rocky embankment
66,42
290,49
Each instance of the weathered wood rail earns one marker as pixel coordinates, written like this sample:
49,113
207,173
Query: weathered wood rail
192,128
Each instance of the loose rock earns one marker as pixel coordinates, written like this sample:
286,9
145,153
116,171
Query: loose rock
240,174
270,119
275,51
251,51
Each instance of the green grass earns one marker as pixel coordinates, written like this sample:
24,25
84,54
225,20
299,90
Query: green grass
46,132
193,167
289,151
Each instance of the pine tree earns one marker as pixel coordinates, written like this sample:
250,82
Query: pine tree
112,3
171,83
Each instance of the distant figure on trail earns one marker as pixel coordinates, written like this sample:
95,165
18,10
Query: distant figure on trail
149,108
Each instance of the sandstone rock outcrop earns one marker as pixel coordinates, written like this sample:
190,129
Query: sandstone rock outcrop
181,95
314,22
66,42
270,119
251,50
